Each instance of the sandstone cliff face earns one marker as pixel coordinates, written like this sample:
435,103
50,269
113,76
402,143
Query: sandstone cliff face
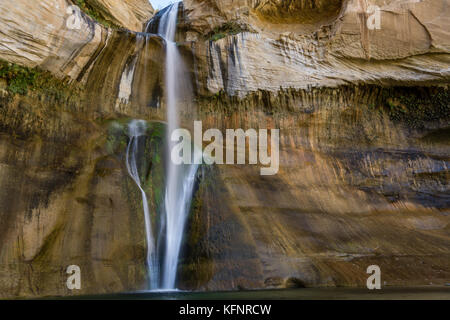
293,14
67,198
39,33
130,14
356,187
355,175
364,119
54,36
77,48
410,46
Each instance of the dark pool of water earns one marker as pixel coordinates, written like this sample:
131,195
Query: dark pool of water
389,293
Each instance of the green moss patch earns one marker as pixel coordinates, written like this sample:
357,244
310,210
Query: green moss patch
21,80
416,106
18,79
89,8
227,29
150,163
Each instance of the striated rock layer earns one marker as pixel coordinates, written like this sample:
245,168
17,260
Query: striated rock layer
411,46
52,35
364,118
130,14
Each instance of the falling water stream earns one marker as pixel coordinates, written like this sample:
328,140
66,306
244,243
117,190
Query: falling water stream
164,250
136,132
180,179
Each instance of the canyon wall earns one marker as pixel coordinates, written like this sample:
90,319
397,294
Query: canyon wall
410,46
364,150
364,121
66,196
358,185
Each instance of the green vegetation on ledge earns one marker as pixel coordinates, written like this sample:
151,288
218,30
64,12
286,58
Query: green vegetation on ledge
87,7
228,28
416,106
20,80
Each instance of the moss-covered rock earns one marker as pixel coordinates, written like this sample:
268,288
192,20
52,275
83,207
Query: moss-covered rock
227,29
417,106
20,80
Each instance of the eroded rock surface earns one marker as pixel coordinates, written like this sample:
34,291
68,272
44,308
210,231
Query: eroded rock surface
364,120
130,14
54,36
356,187
410,46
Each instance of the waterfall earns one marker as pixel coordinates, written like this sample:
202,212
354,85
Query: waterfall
137,130
180,179
164,250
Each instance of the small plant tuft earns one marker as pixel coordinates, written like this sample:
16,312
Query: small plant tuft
228,28
18,78
91,11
